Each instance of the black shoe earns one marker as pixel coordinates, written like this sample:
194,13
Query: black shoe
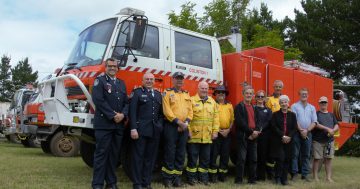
284,182
147,187
178,182
238,182
294,176
167,183
137,187
213,178
222,177
191,182
277,181
97,187
251,182
205,182
305,178
113,186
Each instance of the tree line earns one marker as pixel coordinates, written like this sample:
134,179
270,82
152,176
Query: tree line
325,34
14,78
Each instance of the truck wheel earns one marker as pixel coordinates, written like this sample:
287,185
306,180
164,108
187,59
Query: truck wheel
14,139
64,146
87,153
45,146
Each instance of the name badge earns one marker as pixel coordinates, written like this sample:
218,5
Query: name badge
144,96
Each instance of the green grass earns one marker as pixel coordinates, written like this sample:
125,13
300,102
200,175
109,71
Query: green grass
30,168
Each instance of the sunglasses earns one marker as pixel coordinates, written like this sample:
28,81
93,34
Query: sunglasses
260,96
323,102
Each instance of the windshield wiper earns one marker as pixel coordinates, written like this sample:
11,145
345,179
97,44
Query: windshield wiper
70,66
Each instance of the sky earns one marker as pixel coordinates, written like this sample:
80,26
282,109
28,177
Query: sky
45,31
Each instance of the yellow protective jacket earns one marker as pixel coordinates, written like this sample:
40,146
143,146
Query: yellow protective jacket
177,105
273,104
205,120
226,115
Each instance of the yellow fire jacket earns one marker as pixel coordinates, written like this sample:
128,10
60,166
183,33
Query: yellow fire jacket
205,120
177,105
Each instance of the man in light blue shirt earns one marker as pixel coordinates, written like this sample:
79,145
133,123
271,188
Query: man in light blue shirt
302,140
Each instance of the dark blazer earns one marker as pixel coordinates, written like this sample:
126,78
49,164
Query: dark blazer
146,115
241,121
109,96
278,148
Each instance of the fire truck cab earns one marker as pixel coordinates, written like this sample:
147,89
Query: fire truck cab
140,46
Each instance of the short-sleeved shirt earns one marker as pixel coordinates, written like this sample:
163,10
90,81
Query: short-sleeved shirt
273,103
226,115
328,120
305,115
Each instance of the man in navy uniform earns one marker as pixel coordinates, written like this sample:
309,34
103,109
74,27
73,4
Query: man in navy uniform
110,98
146,119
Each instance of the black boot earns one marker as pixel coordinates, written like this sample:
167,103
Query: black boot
213,178
222,177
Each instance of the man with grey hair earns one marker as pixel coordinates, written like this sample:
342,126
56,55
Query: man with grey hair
302,140
246,134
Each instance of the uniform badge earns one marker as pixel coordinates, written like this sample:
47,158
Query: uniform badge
96,82
108,88
144,96
265,110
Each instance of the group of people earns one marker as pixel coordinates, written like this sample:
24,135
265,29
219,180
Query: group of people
270,138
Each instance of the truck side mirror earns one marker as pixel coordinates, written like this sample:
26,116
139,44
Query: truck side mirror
138,35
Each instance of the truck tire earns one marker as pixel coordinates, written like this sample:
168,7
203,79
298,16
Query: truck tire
45,146
64,145
87,153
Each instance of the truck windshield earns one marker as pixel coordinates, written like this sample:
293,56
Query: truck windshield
91,45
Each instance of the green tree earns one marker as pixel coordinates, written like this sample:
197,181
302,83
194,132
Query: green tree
327,32
5,76
22,74
187,18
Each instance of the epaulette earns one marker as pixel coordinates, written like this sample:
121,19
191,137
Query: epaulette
156,90
100,75
137,88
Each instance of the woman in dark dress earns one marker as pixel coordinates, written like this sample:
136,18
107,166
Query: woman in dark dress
283,126
263,120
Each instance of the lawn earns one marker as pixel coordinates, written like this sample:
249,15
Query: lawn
30,168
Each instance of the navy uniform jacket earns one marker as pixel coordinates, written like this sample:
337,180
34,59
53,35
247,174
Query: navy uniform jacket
146,115
109,96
